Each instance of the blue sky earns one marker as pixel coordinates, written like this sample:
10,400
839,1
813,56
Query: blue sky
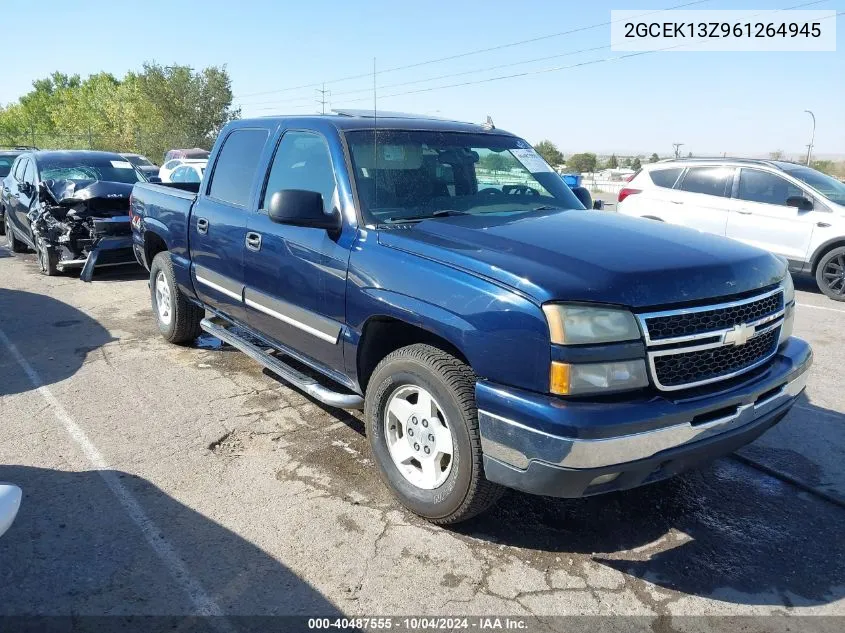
739,103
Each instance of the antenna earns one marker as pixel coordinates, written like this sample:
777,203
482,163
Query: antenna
375,138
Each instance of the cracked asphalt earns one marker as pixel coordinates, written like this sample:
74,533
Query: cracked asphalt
165,480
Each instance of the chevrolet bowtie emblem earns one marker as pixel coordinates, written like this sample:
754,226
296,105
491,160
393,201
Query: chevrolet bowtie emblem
739,335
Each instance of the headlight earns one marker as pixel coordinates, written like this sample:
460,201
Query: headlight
583,379
578,325
789,308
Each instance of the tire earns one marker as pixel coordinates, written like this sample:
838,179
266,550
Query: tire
463,491
830,274
15,244
48,258
178,318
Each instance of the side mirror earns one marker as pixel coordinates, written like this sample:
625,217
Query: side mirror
154,179
598,205
298,207
800,202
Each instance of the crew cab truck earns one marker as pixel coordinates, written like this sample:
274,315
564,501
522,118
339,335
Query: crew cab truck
442,277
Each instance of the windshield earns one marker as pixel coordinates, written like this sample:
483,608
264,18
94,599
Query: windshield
88,168
139,161
829,187
409,175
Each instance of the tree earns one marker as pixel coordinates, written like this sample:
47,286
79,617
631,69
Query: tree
581,163
550,153
636,164
147,112
494,162
776,155
654,158
612,162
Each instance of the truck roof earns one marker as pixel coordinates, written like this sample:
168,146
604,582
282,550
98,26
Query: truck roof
362,120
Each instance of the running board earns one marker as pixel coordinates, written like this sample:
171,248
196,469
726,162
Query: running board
284,371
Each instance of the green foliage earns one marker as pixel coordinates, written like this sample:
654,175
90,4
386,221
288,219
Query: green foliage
829,167
494,162
148,113
612,162
581,163
654,158
636,164
550,153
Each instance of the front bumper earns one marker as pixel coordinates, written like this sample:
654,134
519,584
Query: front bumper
550,446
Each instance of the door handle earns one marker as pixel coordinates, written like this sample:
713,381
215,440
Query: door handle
744,212
676,201
202,226
823,225
253,241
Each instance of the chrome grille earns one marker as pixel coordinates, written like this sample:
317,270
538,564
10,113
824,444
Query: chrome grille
696,346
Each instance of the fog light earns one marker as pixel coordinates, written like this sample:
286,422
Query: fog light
603,479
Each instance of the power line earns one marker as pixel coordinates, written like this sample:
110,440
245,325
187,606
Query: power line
534,72
474,52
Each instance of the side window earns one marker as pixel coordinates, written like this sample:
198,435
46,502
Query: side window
20,168
191,175
761,186
665,177
29,174
178,175
302,161
713,181
237,162
171,164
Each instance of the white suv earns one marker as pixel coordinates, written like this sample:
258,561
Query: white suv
788,209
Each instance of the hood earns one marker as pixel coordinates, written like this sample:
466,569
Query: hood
591,256
68,193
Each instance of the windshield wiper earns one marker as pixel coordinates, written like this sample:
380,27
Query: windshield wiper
441,213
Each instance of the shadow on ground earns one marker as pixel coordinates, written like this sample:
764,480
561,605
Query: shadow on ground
51,335
74,549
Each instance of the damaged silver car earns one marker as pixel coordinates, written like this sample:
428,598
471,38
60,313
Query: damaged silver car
71,208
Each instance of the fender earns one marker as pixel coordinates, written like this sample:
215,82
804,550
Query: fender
502,334
181,264
817,254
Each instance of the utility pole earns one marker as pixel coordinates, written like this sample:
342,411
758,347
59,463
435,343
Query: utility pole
323,96
677,147
812,137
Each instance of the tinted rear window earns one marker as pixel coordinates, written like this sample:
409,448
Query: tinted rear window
236,165
6,165
712,181
665,177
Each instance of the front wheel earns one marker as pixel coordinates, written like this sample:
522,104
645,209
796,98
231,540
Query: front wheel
422,423
178,319
48,259
15,244
830,274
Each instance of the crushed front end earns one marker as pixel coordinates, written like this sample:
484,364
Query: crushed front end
83,224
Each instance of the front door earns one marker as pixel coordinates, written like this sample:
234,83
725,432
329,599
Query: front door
762,218
217,228
296,276
702,198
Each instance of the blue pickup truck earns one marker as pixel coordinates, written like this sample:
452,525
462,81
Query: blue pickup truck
496,333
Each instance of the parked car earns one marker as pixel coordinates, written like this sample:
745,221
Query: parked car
788,209
71,207
7,158
166,171
189,172
195,153
493,337
10,503
143,164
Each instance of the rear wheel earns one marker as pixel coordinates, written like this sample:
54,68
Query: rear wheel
178,318
830,274
422,423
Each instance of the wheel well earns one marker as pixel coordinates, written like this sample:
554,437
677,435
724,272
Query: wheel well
383,335
153,245
824,250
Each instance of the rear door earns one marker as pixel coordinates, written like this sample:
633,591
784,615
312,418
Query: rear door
296,276
702,198
217,225
24,197
762,218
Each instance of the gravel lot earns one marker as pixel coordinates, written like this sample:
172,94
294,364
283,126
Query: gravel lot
163,480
